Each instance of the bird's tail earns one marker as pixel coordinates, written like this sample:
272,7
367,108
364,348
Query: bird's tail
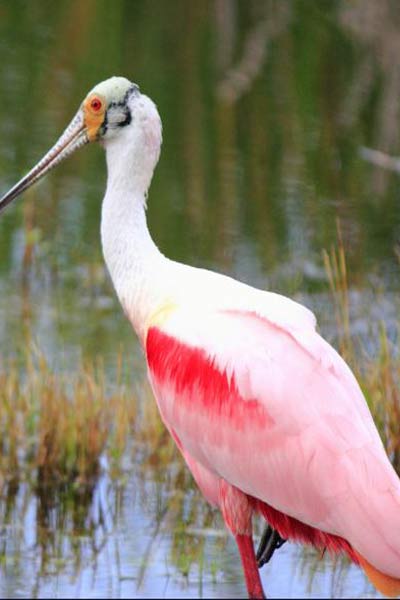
385,584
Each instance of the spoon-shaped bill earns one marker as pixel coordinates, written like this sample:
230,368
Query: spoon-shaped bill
74,137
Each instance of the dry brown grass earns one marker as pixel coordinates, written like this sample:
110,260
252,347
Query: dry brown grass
55,429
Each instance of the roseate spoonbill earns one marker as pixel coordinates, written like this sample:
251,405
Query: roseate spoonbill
267,415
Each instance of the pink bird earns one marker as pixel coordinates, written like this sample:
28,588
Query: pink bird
266,414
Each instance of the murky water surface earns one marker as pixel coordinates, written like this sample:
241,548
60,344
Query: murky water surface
266,108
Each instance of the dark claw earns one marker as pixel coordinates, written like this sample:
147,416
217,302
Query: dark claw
266,535
270,541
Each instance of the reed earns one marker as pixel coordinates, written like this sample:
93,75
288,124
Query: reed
377,370
54,429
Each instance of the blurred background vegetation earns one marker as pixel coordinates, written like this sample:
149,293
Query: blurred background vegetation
280,124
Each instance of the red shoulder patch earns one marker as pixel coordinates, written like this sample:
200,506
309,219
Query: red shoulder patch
195,378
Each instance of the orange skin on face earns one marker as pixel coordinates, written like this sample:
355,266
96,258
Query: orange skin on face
94,108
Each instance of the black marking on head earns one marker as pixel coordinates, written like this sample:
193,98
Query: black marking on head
128,118
122,105
132,90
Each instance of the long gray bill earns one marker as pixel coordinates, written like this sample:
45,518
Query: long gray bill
74,137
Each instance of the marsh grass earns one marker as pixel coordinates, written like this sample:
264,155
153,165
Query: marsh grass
54,429
377,371
58,435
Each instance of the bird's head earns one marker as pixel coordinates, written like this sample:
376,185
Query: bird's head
114,113
107,108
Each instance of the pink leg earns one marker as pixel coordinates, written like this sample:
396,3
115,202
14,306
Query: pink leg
250,568
237,511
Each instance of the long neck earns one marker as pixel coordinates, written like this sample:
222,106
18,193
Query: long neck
132,257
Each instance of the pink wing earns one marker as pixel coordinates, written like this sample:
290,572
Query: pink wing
277,413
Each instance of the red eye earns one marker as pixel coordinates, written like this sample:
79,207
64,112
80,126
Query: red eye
95,104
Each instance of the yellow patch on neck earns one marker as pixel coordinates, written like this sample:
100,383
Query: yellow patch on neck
159,316
94,109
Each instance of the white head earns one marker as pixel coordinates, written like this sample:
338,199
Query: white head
123,120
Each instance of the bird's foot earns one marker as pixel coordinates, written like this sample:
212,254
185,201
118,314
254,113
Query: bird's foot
270,541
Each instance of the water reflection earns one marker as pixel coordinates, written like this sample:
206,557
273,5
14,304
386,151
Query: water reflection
114,542
265,106
56,538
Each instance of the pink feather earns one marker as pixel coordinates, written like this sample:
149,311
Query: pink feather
276,413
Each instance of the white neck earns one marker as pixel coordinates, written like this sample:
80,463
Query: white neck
132,258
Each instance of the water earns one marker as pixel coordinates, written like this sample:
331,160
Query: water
121,546
265,107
